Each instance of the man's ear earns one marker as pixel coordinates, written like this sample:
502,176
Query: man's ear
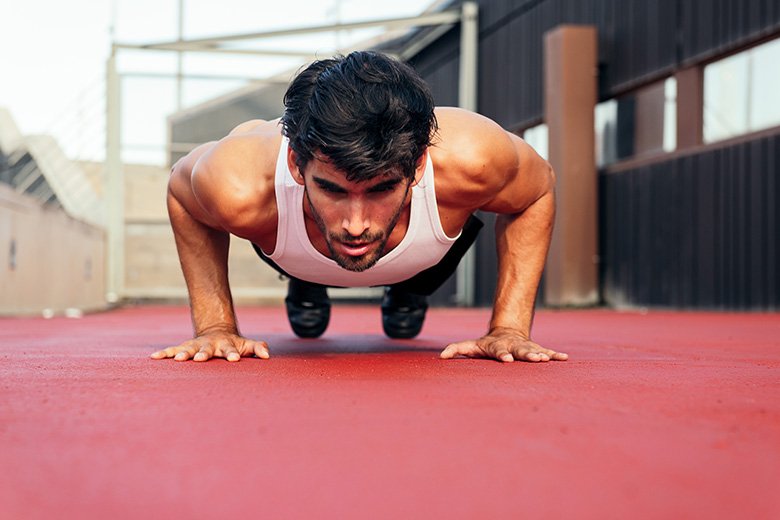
292,159
419,171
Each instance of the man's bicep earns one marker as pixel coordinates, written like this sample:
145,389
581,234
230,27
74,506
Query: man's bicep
528,180
181,193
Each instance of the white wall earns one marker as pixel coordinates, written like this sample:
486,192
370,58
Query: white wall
48,260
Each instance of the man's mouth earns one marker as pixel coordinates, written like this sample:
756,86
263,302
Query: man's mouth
355,248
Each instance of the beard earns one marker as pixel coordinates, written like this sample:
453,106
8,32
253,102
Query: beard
356,263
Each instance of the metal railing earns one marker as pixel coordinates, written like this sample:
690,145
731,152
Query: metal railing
38,167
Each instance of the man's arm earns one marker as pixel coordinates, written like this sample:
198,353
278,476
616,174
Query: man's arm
522,242
526,211
203,253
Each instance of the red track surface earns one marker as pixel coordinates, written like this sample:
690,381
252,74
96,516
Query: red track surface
665,415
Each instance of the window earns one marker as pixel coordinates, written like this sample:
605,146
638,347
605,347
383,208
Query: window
537,137
670,115
740,93
606,132
643,122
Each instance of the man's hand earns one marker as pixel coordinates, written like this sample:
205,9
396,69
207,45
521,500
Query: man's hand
215,344
505,345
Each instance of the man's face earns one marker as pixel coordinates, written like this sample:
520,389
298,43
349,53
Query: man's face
355,218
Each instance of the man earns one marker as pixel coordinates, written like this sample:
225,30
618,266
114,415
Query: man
342,192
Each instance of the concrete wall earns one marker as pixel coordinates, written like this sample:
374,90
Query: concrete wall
48,260
152,264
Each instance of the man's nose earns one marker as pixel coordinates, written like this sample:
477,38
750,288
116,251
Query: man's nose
357,220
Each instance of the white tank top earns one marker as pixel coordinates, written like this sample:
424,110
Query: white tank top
423,246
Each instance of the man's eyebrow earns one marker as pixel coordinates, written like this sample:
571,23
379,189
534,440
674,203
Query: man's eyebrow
385,184
326,184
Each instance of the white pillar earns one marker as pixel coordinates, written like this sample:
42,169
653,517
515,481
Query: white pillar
114,185
467,99
180,58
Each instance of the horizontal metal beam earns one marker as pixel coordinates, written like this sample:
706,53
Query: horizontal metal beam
213,43
213,48
423,41
215,77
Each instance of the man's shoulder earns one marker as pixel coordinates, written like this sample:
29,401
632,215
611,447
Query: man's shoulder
255,137
472,155
246,145
256,126
235,179
472,141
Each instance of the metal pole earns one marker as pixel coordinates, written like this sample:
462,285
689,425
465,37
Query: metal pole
180,58
114,183
467,99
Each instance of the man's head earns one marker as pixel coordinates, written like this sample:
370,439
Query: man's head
359,127
366,113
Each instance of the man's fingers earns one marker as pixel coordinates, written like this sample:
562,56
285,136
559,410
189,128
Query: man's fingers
545,354
179,352
182,355
532,356
462,348
504,356
536,353
226,349
505,348
206,352
166,352
232,355
452,350
260,348
472,349
160,354
203,348
248,348
203,354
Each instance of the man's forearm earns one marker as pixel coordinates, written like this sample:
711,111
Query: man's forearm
522,242
203,254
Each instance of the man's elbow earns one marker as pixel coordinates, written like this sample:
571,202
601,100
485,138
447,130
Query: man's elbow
551,179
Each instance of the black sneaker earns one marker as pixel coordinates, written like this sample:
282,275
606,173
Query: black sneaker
308,308
403,313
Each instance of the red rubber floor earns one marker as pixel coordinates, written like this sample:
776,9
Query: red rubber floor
664,415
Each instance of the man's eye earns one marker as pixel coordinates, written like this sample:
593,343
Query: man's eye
383,188
331,189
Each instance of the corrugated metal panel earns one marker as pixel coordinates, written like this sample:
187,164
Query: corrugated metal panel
699,231
639,41
712,27
696,231
438,64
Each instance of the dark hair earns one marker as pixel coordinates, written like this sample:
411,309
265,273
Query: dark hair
367,113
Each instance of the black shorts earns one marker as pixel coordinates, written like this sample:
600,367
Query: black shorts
425,282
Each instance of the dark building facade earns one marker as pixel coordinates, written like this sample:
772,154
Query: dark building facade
687,186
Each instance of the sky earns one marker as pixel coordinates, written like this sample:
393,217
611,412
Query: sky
53,55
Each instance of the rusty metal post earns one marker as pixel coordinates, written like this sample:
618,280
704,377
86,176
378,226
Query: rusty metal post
570,85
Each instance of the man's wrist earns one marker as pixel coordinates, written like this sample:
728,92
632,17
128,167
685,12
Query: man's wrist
217,328
497,330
